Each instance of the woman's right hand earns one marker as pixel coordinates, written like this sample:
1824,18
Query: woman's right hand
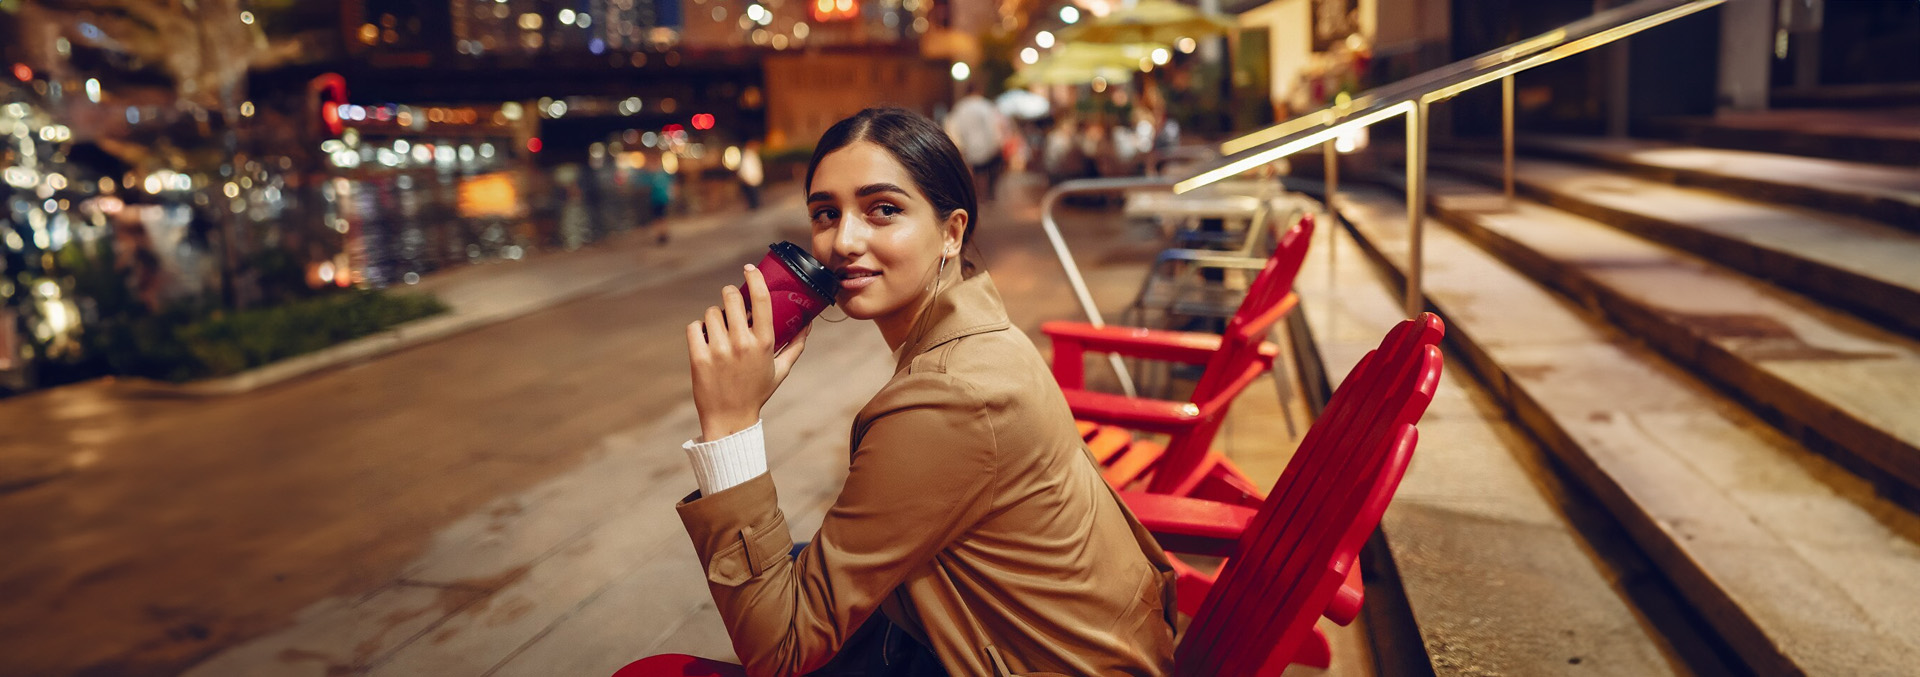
734,368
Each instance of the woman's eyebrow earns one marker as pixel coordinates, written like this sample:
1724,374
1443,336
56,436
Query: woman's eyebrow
872,188
863,191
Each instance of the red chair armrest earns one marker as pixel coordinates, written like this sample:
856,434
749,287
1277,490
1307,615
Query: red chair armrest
1190,525
1137,413
1073,340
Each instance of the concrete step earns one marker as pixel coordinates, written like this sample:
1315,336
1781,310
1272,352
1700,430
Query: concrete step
1842,386
1483,545
1797,564
1859,265
1890,195
1879,135
1881,94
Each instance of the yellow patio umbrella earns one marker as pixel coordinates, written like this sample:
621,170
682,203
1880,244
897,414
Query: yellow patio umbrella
1081,63
1160,21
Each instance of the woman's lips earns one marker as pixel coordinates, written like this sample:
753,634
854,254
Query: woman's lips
858,282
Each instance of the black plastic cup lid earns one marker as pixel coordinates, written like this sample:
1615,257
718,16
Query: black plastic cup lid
808,269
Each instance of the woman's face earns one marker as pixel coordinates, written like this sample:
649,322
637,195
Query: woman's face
874,228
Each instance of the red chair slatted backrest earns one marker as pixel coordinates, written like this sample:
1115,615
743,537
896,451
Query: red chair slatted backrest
1239,353
1293,556
1258,311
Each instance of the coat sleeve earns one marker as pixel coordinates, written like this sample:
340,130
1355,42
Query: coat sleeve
918,481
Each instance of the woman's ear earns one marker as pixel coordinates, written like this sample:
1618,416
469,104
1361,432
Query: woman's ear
954,232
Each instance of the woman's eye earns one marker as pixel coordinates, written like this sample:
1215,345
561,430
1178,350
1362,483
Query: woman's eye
886,210
820,215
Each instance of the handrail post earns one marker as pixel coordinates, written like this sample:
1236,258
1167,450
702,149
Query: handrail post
1332,170
1506,132
1079,284
1416,203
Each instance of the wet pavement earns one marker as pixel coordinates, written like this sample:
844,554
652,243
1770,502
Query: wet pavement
189,526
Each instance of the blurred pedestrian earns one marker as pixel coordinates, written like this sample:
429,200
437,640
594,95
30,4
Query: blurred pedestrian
751,173
979,130
659,185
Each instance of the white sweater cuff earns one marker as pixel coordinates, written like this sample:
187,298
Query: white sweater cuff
728,461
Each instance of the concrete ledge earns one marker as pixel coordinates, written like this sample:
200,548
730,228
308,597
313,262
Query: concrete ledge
1887,194
1806,396
1825,269
1495,575
1793,562
1817,142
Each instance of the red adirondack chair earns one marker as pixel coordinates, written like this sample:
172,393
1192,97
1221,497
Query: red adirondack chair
679,665
1293,560
1289,562
1186,464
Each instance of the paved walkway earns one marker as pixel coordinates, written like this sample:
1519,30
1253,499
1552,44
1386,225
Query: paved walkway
494,502
176,526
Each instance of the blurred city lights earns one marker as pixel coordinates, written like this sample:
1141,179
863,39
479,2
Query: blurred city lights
1160,56
1029,55
1186,45
961,71
1069,14
93,90
533,145
1044,39
21,71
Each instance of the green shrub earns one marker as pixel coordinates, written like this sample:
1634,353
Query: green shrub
223,342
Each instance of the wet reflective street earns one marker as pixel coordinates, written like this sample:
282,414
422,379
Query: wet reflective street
182,526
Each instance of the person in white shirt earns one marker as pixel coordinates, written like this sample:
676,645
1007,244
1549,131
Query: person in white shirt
751,173
978,130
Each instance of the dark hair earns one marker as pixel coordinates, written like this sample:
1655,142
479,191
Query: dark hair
924,149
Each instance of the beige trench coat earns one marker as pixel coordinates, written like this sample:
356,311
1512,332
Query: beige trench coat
972,515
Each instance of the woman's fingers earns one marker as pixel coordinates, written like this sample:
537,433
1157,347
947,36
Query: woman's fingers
735,307
718,342
783,362
762,305
697,343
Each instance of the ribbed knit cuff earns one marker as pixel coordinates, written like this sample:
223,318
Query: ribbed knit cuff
728,461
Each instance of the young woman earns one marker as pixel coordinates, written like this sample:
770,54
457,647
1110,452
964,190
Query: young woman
974,535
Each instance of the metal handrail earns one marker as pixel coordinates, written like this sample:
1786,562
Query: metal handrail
1412,96
1090,187
1409,97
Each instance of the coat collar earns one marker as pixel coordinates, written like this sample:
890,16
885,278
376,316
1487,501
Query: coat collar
971,306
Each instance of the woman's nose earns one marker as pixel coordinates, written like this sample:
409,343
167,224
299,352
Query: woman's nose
850,239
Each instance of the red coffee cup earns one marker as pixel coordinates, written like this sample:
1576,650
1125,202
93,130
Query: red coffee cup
800,288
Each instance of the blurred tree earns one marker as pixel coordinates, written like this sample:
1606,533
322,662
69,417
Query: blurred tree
204,46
